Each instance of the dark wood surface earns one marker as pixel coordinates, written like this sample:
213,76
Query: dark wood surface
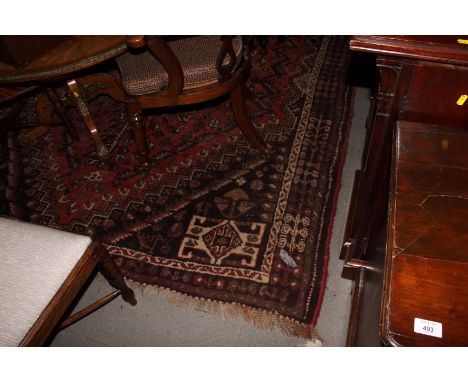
434,100
71,55
19,51
420,79
427,258
441,49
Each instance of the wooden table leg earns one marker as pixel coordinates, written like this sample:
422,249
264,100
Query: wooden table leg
135,116
83,109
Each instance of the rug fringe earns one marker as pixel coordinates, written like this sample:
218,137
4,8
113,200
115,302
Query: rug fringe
260,318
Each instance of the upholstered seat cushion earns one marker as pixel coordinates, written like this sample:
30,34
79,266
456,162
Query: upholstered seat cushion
34,262
142,73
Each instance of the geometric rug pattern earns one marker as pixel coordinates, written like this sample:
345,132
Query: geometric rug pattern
213,219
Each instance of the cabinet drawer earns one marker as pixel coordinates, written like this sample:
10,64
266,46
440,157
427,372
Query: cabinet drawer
433,94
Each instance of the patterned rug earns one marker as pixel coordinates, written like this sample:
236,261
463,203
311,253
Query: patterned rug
213,219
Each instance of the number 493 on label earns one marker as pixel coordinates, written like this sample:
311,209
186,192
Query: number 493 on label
429,328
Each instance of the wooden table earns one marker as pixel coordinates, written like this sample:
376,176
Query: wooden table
421,78
71,55
63,61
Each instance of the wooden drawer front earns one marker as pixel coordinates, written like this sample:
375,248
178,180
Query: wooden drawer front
433,94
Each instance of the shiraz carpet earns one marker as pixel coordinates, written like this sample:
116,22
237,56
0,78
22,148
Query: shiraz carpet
213,222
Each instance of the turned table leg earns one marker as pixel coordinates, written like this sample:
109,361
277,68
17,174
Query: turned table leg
83,109
135,115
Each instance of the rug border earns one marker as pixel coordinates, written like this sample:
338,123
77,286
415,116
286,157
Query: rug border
348,118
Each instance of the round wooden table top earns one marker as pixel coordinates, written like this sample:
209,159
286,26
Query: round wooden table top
75,53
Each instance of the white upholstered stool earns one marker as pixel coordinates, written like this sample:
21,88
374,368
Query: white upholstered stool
41,271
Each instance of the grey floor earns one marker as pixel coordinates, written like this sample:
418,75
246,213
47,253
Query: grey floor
157,321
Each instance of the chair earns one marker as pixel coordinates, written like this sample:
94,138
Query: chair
41,272
163,72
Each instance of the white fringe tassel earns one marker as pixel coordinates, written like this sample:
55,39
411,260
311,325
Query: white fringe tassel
260,318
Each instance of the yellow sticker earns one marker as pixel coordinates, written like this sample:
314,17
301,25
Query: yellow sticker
444,144
461,41
462,99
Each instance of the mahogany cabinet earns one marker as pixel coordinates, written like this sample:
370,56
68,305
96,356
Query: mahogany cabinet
422,79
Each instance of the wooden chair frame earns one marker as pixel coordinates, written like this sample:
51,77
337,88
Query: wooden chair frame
231,80
95,256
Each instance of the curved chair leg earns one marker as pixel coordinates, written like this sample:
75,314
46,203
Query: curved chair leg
240,112
112,273
135,115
